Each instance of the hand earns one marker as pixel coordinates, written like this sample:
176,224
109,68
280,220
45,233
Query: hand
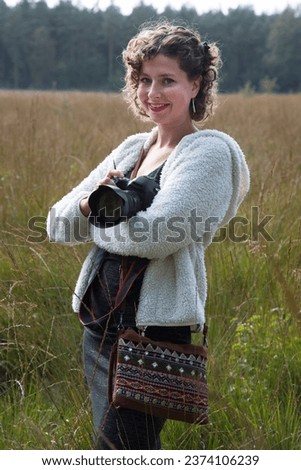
84,205
108,178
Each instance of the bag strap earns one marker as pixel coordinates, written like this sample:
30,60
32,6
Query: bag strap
135,270
205,333
127,279
112,368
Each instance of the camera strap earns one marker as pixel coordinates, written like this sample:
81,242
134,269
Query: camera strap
141,157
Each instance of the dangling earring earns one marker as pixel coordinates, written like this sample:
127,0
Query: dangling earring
193,106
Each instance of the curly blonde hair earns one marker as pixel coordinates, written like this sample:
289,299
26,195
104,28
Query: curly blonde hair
196,58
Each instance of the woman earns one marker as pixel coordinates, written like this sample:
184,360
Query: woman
171,79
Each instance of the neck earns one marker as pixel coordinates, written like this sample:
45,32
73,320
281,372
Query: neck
171,136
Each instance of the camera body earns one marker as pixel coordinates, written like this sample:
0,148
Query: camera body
110,204
121,183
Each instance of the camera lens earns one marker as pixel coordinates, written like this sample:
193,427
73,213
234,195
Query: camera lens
109,206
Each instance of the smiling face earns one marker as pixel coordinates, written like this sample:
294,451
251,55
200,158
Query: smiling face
165,92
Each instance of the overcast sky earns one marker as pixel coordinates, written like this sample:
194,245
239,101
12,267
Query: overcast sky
126,6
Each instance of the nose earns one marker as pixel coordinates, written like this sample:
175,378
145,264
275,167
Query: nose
154,90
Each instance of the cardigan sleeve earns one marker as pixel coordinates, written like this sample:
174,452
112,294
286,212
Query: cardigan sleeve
65,222
196,191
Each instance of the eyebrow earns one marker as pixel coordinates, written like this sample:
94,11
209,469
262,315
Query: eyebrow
161,74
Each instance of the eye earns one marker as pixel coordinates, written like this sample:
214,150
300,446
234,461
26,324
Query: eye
145,80
168,81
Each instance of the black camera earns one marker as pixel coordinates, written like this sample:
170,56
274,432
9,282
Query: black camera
110,203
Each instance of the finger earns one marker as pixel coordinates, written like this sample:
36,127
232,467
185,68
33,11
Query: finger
108,178
116,173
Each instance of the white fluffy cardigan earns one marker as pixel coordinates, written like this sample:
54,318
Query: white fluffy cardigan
202,184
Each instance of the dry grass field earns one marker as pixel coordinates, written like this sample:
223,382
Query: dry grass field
48,143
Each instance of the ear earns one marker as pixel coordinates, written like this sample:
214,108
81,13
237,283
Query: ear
196,84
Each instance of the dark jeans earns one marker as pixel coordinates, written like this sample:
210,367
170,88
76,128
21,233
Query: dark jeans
121,428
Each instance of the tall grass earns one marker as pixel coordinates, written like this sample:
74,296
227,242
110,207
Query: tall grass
48,142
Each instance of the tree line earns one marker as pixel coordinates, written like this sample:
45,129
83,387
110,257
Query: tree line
67,47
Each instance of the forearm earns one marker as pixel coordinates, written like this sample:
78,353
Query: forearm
84,206
68,224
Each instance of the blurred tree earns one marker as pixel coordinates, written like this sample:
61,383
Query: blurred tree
73,47
65,20
140,15
42,59
283,46
113,23
3,50
243,47
188,14
17,42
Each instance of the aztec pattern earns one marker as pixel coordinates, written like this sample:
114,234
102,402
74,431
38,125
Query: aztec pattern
161,381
